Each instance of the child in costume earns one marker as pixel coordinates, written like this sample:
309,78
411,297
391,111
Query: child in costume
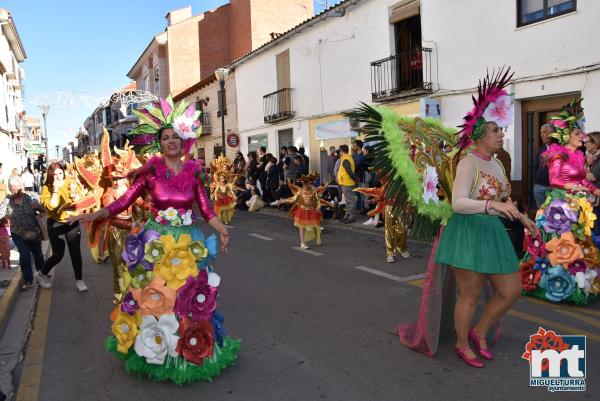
394,228
473,249
223,189
561,262
306,208
165,324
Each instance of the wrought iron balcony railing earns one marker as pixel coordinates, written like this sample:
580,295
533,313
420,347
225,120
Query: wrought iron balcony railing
278,105
401,75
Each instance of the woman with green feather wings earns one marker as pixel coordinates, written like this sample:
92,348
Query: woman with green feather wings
465,196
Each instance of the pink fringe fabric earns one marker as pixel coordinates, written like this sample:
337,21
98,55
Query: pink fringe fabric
436,313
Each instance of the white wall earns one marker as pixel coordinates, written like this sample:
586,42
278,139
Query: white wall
470,36
329,68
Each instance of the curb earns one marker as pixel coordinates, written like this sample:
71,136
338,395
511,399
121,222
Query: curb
8,300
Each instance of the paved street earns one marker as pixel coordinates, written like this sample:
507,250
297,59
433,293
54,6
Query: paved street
314,327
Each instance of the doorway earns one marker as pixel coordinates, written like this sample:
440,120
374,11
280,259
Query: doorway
534,114
285,137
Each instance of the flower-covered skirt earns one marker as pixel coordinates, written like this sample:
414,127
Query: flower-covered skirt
561,262
166,325
305,218
477,242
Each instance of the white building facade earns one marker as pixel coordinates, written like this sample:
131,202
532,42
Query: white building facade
552,46
12,116
294,89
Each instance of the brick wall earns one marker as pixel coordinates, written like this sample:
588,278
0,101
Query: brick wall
184,54
240,28
268,16
214,38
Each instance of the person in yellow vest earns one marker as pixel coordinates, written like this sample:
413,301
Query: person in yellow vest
347,181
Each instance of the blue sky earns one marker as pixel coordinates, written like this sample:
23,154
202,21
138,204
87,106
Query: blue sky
78,51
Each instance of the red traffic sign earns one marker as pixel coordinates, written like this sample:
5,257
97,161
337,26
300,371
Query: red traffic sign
233,140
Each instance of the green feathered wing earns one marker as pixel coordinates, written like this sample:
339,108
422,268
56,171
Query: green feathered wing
404,147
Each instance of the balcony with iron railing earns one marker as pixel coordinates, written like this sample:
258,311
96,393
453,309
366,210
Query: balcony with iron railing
401,75
205,120
277,106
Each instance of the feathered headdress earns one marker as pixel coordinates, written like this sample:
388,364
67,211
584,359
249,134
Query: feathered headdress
493,103
221,166
569,118
157,116
309,178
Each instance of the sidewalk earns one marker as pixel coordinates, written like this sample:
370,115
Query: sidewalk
9,287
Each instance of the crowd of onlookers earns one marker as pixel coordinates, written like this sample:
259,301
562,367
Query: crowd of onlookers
261,174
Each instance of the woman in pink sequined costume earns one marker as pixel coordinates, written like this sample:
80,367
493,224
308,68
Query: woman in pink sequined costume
561,262
165,324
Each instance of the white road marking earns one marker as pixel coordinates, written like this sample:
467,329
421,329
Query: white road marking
390,276
310,252
260,237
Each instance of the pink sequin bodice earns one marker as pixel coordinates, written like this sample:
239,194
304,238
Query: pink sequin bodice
167,188
566,166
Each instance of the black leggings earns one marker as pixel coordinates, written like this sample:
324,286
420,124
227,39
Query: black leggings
72,235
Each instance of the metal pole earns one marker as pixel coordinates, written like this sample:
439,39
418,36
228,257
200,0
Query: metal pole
46,141
222,85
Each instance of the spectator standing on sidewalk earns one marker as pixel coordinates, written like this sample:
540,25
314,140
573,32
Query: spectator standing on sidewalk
359,159
239,168
541,180
21,210
58,197
28,181
289,167
252,169
328,173
302,152
347,180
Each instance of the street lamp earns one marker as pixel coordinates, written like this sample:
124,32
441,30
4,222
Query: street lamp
57,148
221,74
44,108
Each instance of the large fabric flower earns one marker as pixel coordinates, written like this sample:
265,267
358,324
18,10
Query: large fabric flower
529,276
140,277
541,264
500,111
559,217
220,332
558,283
590,253
184,127
178,262
196,341
595,286
577,266
133,252
430,182
197,297
124,278
156,299
153,251
564,250
198,250
129,305
585,279
534,245
157,338
125,329
586,216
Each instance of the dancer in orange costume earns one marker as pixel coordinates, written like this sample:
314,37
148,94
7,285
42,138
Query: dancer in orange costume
306,208
223,188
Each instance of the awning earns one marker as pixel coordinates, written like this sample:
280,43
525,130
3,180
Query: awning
35,149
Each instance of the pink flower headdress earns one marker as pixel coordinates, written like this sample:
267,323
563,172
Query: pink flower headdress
157,116
493,103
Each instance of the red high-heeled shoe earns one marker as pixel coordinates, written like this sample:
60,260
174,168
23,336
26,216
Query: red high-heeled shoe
473,362
484,352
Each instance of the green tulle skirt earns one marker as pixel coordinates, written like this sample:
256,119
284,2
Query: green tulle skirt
477,242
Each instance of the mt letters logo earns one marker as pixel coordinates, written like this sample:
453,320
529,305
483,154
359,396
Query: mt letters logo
556,362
